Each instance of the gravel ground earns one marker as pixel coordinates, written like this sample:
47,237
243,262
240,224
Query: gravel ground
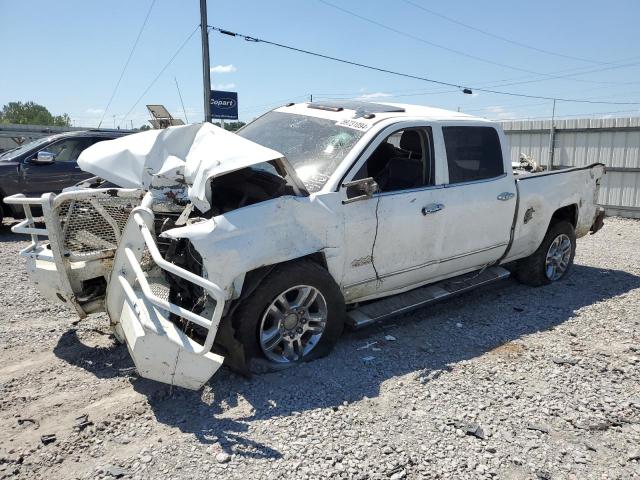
505,382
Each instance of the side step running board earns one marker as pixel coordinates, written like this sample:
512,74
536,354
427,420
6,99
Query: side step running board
387,307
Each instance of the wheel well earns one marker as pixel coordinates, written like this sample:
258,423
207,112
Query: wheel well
568,213
254,277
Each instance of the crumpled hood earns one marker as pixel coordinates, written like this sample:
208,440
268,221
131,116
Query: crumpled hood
190,154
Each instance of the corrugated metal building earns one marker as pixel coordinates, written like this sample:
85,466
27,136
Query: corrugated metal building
578,142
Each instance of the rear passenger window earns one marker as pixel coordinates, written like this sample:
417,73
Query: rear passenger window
473,153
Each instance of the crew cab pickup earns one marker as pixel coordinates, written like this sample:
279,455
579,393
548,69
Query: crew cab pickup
257,248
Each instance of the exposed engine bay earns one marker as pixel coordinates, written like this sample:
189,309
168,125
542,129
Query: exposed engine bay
246,187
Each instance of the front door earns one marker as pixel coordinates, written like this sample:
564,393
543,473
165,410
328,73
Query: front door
393,238
63,172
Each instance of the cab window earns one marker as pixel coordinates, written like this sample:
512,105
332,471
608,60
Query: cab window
473,153
68,150
402,161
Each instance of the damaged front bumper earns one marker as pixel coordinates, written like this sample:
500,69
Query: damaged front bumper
101,254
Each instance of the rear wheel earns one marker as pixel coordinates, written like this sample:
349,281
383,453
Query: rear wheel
295,315
553,258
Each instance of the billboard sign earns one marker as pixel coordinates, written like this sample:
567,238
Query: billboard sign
224,105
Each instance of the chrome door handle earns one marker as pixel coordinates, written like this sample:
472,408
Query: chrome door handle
432,208
504,196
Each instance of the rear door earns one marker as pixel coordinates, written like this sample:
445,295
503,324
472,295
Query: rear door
478,201
37,179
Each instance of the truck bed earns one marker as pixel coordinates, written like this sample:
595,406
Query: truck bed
541,194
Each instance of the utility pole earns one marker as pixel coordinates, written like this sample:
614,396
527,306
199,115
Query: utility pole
552,135
206,75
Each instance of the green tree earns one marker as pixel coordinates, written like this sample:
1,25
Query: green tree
30,113
231,126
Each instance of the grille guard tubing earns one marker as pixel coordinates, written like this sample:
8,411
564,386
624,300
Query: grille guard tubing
51,205
143,219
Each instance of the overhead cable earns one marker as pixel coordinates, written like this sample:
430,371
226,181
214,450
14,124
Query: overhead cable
453,50
161,72
504,39
462,88
126,64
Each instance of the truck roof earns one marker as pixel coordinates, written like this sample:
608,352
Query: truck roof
341,109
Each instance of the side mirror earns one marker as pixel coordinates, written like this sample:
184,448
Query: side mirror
363,189
44,158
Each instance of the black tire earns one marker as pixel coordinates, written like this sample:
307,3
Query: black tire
532,269
248,316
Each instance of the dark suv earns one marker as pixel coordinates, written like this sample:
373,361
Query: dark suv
47,164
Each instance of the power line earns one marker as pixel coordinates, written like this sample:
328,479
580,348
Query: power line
504,39
452,50
464,89
529,105
584,72
133,48
495,83
161,72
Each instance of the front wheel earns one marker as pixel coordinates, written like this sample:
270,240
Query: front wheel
553,258
296,314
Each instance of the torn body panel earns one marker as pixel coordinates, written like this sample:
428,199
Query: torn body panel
189,156
267,233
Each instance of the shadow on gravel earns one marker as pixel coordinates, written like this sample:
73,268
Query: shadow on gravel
6,235
103,362
427,343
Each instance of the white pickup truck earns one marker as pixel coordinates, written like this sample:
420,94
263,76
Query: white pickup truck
257,248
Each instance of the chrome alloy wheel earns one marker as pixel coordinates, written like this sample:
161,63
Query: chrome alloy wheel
558,257
292,324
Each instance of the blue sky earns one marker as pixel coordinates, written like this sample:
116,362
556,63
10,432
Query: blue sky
68,54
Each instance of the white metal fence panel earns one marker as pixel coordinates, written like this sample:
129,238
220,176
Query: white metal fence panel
580,142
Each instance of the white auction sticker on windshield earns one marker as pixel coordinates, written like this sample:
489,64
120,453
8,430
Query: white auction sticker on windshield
355,124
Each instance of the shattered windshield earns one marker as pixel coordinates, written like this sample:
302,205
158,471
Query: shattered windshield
313,146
